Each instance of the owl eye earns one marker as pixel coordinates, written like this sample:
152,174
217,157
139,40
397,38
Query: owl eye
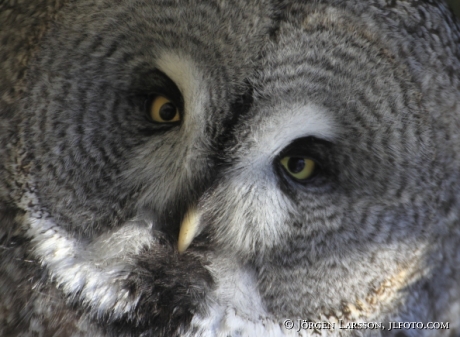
163,110
298,167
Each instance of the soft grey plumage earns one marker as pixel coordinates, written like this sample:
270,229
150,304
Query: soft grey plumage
312,173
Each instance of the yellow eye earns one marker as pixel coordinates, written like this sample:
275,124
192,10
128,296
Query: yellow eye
162,110
298,167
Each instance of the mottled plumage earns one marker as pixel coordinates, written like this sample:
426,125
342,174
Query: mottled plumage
305,166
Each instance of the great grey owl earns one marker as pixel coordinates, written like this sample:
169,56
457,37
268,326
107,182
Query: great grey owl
229,168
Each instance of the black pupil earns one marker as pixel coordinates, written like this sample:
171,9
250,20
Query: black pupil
296,164
167,111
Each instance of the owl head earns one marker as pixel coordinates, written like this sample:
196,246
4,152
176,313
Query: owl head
220,167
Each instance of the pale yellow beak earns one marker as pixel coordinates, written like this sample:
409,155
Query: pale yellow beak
189,229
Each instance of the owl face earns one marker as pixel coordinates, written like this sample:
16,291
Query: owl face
216,168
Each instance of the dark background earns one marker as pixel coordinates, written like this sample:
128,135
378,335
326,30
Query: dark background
455,5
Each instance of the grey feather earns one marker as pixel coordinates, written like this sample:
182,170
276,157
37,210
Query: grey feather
95,193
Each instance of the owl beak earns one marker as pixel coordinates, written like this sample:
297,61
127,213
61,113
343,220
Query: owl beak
189,229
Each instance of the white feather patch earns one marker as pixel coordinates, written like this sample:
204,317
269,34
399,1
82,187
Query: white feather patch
89,272
188,78
286,124
235,307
